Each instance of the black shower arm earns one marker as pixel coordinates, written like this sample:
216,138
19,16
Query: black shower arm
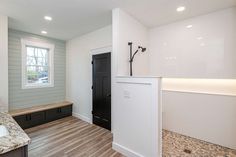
132,58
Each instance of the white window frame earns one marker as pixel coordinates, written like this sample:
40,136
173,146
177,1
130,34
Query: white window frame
24,44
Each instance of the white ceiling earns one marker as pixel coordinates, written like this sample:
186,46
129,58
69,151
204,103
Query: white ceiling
73,18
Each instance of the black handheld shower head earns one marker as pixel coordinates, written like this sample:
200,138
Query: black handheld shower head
142,48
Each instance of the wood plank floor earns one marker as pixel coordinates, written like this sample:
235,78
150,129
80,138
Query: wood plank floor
70,137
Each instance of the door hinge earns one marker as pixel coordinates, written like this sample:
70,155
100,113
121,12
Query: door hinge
91,62
91,87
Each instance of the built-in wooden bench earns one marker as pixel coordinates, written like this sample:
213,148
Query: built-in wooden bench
40,114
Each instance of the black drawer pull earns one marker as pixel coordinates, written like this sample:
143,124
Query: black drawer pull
59,110
28,117
105,120
97,117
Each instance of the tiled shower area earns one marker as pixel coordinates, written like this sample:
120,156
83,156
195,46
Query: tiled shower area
177,145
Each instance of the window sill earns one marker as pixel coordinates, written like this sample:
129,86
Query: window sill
38,86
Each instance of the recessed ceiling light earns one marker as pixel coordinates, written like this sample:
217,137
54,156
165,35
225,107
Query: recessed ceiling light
189,26
181,9
44,32
48,18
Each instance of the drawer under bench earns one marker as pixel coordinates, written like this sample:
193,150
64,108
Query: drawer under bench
30,117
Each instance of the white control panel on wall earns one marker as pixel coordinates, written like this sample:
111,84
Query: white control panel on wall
126,94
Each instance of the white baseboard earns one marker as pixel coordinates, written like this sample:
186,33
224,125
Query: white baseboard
84,118
125,151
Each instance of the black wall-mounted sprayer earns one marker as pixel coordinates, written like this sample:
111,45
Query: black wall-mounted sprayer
131,59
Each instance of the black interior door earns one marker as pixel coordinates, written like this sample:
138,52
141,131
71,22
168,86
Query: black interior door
102,90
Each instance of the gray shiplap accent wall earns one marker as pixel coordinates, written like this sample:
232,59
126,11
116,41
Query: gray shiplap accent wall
23,98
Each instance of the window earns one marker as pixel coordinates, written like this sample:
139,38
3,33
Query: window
37,64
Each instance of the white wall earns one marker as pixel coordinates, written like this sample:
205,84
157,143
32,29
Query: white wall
127,29
203,116
223,87
134,112
136,116
4,63
79,69
196,108
177,51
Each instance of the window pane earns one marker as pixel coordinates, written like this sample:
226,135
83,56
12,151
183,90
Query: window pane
37,56
31,61
30,51
37,74
32,79
37,65
42,62
42,52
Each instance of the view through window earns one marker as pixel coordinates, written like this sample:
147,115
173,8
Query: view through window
37,65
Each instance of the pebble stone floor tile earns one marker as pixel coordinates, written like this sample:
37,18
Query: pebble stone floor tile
176,145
